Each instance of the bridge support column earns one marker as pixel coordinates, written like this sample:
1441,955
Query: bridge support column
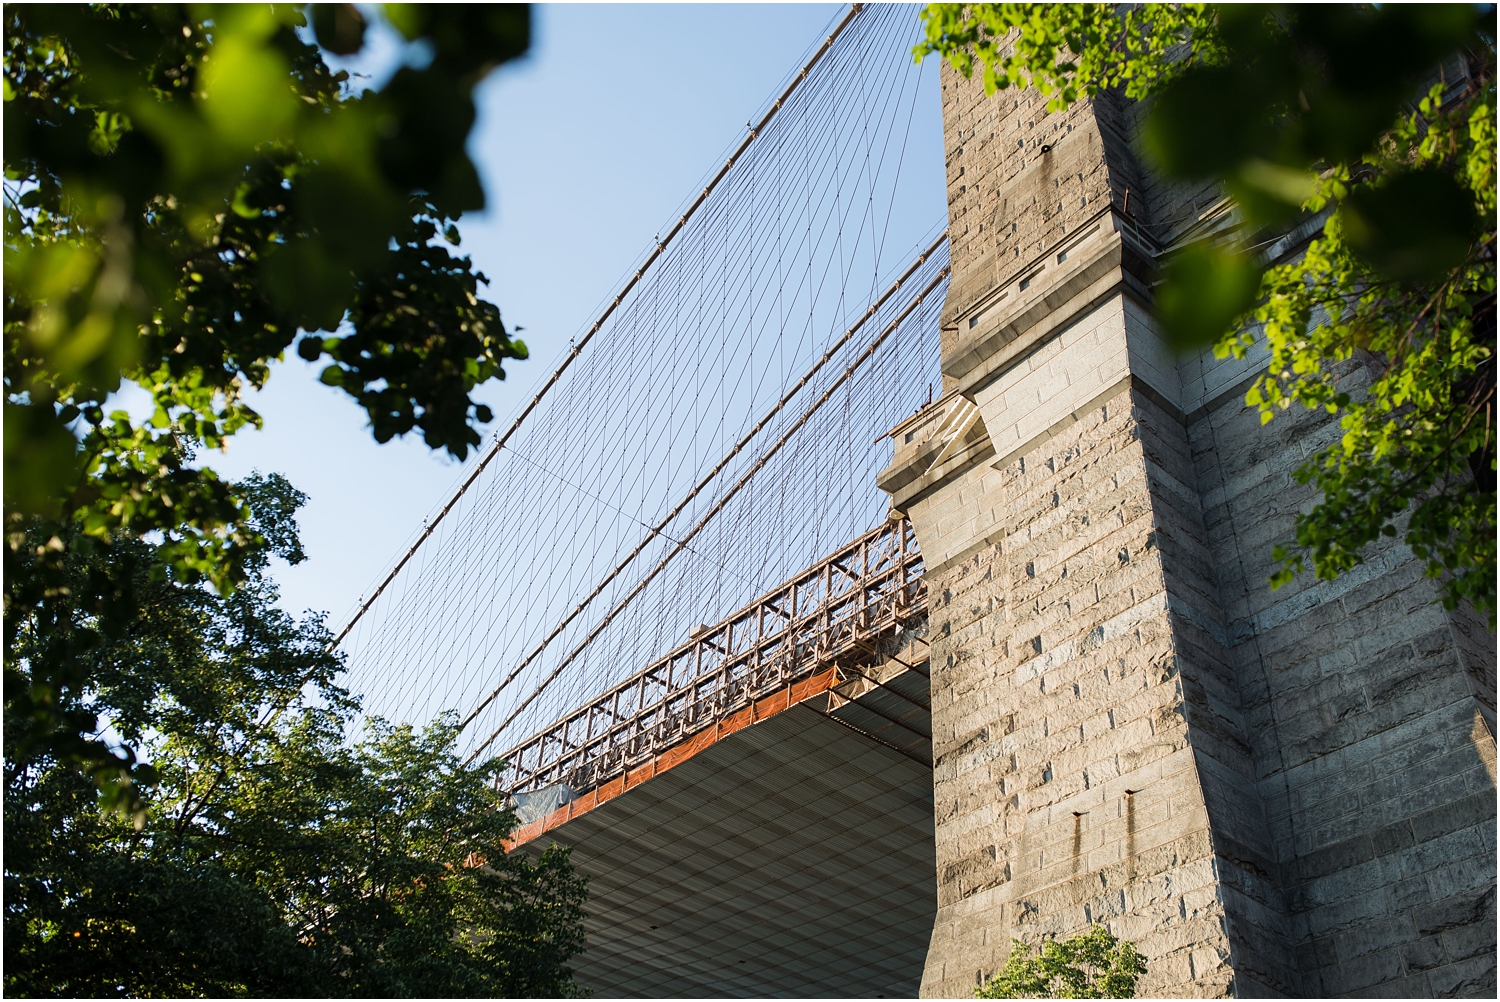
1269,793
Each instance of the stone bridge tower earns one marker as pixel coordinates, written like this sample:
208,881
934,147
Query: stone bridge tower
1270,793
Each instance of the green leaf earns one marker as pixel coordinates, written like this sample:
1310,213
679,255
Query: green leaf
407,18
340,27
1204,289
1270,194
41,458
1207,123
301,279
1416,225
240,207
245,94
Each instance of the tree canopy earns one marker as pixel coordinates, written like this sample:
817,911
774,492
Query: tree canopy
1091,965
190,190
271,856
1376,124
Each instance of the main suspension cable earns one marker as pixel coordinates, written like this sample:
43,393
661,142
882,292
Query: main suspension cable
614,304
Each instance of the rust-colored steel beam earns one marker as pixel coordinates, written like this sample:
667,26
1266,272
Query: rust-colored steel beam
847,604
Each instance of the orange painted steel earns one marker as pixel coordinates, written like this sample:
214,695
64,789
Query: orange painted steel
761,709
774,651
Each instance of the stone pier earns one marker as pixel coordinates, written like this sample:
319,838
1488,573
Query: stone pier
1285,793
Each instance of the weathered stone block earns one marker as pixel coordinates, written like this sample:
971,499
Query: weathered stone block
1467,979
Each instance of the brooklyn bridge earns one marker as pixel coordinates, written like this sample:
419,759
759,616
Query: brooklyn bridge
853,600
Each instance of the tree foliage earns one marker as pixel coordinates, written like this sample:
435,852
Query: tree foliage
271,856
1091,965
188,187
1374,124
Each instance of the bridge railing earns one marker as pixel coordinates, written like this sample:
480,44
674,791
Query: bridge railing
846,603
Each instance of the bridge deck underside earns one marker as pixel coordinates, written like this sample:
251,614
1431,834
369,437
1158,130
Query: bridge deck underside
794,858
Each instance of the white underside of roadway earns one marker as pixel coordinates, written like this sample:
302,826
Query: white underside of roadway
792,859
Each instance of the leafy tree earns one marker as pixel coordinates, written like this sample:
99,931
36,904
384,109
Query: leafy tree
1376,123
1091,965
186,188
271,856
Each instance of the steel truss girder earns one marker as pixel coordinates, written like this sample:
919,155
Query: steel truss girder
846,603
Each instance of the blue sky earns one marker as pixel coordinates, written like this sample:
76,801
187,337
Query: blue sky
588,148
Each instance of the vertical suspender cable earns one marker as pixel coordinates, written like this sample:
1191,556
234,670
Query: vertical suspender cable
714,510
660,527
557,373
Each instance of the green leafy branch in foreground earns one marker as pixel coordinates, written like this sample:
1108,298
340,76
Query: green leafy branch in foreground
1419,436
1387,320
189,191
1091,965
1071,51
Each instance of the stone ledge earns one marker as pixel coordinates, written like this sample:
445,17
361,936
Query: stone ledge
1101,263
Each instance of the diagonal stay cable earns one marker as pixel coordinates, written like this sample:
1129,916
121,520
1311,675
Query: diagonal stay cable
621,511
698,488
708,516
577,349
